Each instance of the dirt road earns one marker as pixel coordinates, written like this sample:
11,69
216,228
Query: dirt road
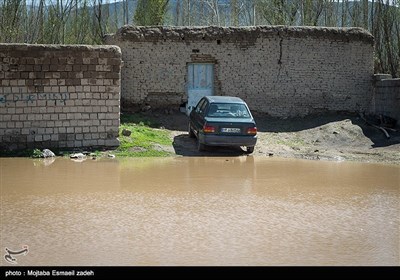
338,137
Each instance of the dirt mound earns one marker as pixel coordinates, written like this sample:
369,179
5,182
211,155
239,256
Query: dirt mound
324,137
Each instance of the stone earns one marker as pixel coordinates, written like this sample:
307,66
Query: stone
46,153
146,108
77,156
126,132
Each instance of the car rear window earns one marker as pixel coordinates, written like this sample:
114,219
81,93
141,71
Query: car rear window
228,110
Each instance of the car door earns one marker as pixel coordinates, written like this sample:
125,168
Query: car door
199,115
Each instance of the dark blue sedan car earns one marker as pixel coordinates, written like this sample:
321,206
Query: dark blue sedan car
222,121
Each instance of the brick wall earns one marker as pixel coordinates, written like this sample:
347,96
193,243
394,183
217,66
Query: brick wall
59,96
282,71
387,97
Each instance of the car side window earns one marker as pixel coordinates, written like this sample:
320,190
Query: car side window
203,107
199,105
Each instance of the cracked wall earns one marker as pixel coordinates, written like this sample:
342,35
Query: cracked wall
282,71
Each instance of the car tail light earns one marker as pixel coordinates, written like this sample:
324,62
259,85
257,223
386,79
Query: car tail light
208,129
252,130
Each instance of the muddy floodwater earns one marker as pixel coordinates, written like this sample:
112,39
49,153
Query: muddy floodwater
199,211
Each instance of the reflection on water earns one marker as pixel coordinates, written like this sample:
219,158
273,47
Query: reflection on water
200,211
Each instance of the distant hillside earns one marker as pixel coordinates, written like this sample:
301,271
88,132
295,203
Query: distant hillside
117,10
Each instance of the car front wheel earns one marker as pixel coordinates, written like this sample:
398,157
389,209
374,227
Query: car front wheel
200,147
249,150
191,133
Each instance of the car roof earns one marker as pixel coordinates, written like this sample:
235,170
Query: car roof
224,99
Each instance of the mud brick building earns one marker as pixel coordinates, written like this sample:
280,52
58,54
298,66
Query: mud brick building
282,71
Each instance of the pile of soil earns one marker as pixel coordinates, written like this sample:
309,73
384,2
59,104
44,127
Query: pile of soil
335,137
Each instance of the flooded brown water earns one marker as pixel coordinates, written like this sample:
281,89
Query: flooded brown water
200,211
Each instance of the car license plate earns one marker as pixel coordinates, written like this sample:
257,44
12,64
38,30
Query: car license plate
230,130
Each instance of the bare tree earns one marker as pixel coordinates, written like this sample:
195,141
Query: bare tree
280,12
150,12
86,21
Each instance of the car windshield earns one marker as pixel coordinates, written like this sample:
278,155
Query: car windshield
228,110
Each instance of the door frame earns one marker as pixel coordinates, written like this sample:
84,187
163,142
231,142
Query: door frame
195,94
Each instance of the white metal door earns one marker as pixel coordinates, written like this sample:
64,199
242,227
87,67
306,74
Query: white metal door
200,83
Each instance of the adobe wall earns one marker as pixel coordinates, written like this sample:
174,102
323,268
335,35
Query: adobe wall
54,96
282,71
386,99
